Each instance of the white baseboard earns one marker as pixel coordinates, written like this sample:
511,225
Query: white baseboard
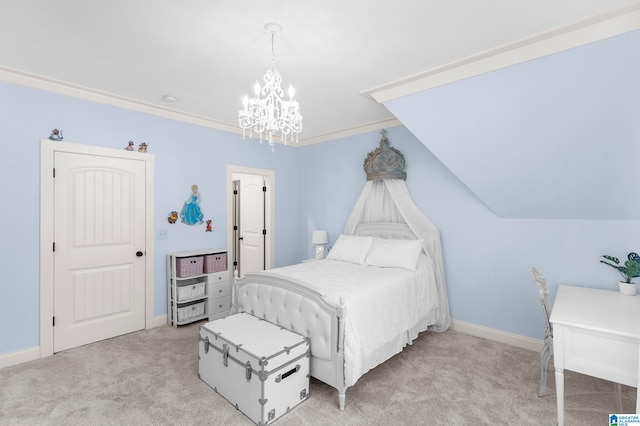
497,335
15,358
159,321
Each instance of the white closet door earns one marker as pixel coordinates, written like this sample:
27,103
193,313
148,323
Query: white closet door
99,258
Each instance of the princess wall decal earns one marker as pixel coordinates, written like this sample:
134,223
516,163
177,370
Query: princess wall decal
191,213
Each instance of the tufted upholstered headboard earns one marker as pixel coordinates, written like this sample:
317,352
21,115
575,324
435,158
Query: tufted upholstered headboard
386,230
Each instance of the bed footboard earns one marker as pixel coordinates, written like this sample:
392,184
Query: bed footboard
303,310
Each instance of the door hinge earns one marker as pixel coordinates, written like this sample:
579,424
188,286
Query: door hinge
54,172
54,246
235,192
235,227
54,321
264,232
264,189
235,263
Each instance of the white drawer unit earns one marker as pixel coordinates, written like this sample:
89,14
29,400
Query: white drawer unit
219,299
198,286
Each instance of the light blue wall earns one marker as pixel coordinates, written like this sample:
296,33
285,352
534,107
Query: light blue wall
553,138
487,258
552,147
329,182
184,154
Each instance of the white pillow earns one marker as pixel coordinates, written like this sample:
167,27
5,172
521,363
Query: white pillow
351,248
394,254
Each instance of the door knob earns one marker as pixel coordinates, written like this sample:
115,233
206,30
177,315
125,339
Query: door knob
139,254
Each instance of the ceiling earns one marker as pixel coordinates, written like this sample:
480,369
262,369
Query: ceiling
208,54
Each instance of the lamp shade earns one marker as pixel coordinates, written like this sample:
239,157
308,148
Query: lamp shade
319,237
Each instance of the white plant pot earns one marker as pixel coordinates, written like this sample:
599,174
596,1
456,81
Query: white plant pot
627,288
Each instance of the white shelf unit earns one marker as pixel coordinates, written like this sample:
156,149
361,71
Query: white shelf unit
198,286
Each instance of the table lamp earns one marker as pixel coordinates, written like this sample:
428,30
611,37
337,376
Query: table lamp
320,239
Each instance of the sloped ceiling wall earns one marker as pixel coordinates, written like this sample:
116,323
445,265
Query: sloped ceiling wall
557,137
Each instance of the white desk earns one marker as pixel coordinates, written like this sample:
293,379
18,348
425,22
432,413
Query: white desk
596,332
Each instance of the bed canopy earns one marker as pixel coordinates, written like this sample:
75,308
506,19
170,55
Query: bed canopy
386,199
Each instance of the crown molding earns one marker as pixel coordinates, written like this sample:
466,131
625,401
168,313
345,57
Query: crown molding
356,130
22,78
599,27
69,89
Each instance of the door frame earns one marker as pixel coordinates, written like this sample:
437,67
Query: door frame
47,222
269,215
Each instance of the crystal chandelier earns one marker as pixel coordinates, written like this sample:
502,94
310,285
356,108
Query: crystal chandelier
268,113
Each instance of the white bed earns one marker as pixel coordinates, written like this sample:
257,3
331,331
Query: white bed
355,314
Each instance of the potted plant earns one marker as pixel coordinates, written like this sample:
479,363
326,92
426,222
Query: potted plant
629,270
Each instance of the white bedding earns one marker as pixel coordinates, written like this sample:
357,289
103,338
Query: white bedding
382,305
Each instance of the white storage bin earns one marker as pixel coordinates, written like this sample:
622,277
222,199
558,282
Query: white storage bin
191,291
190,311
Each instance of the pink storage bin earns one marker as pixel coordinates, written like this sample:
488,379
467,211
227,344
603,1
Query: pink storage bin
215,263
189,266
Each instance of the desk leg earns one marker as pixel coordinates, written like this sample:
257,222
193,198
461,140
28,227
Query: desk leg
560,395
638,388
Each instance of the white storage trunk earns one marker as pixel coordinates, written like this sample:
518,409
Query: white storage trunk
260,368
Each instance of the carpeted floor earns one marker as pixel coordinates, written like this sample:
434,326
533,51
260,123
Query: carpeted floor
151,378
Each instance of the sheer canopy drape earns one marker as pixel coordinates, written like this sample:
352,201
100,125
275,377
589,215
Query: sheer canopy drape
388,200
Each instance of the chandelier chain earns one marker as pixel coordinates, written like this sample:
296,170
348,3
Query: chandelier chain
273,50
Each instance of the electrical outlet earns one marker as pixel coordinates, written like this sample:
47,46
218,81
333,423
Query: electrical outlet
163,234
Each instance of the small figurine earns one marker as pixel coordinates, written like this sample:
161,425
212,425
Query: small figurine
173,216
143,147
130,146
56,135
208,221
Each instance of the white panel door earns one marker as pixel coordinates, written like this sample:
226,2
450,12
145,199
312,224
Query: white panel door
251,225
99,257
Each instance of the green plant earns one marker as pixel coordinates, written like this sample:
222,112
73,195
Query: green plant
629,270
